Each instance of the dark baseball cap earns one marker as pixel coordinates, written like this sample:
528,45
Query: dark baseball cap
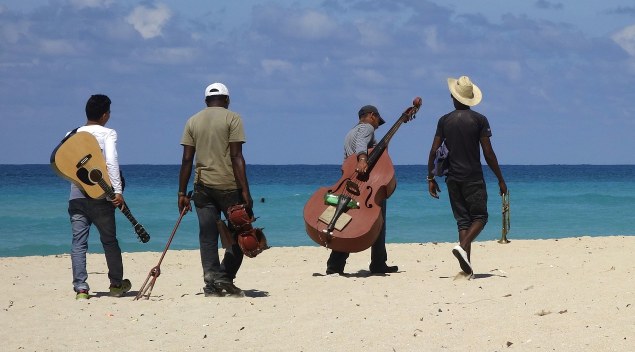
369,108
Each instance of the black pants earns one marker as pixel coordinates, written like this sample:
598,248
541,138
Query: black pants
469,202
378,255
209,204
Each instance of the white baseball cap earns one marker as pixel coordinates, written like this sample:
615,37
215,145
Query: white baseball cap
216,89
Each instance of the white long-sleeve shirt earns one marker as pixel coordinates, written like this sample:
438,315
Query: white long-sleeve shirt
107,139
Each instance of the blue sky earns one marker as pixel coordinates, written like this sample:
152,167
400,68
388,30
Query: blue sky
557,76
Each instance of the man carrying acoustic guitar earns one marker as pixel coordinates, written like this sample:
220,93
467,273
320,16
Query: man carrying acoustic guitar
215,135
85,211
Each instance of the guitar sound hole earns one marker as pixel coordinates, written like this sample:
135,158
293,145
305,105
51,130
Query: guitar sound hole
82,175
95,175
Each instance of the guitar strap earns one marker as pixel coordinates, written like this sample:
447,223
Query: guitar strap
62,142
69,135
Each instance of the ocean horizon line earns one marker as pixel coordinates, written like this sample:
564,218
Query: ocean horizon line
320,164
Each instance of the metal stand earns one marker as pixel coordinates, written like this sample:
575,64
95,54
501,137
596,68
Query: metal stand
146,288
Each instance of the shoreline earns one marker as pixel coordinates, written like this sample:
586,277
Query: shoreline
95,246
566,294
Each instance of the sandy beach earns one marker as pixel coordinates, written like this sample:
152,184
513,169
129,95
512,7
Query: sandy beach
574,294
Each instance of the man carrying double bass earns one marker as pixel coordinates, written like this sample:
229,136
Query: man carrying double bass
357,141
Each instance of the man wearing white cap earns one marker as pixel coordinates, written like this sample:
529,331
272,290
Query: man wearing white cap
465,132
215,135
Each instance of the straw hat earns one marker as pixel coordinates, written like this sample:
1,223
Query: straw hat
465,91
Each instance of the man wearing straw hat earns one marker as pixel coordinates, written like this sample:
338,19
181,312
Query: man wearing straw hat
465,132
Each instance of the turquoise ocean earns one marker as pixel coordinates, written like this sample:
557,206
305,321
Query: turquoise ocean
547,201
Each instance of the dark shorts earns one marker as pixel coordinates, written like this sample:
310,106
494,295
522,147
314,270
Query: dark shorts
469,201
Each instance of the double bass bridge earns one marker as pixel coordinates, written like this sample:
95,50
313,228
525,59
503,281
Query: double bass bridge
335,214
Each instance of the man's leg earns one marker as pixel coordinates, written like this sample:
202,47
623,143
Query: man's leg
378,254
467,236
336,262
475,194
103,215
456,192
80,226
233,257
208,240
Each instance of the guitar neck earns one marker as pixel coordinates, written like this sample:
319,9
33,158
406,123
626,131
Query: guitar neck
124,208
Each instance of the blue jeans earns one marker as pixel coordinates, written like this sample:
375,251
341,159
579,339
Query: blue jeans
378,255
209,203
85,212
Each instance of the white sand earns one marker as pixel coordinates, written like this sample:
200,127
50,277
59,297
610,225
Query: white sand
575,294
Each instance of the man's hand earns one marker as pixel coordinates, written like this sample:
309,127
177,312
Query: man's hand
362,166
249,202
502,187
184,203
118,200
433,188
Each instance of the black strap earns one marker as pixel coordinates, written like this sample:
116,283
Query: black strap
69,135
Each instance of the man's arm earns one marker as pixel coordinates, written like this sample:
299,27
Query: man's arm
433,187
240,171
184,177
492,162
360,146
112,165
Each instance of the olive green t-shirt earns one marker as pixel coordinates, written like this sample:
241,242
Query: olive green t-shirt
210,131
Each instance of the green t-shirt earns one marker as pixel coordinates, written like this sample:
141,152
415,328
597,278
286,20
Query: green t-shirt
210,131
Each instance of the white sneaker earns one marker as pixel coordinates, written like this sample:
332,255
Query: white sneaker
461,255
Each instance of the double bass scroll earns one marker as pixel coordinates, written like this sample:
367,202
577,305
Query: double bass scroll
347,216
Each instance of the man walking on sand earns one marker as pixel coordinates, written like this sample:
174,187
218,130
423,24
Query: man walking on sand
357,141
465,132
85,211
215,135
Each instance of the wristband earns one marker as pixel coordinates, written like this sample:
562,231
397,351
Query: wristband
181,194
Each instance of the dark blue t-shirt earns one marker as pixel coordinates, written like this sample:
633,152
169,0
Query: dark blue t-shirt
462,131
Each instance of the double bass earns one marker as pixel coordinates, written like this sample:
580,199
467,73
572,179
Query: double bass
347,217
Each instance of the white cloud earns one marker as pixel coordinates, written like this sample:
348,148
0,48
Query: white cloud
511,69
370,76
80,4
149,21
12,32
431,39
170,56
312,25
57,47
271,66
372,35
626,39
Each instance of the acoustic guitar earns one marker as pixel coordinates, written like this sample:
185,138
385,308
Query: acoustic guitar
78,158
